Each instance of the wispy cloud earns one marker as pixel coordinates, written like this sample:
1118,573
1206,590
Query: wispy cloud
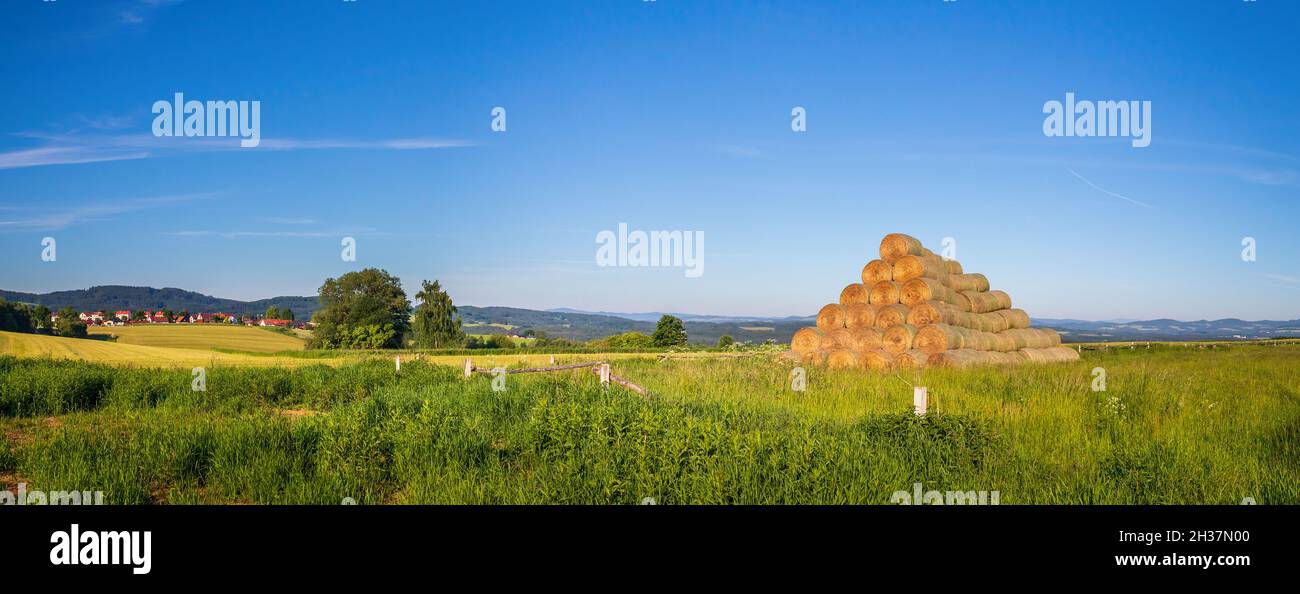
58,218
66,149
1285,278
1108,192
289,233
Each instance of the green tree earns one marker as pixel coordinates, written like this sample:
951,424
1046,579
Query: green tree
436,324
137,315
16,317
42,315
725,341
69,324
627,340
369,297
669,332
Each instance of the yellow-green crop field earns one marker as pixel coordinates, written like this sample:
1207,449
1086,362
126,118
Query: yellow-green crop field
202,336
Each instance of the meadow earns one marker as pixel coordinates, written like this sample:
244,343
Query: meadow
201,336
1175,425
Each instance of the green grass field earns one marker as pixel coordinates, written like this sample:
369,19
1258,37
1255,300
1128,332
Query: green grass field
202,336
1174,426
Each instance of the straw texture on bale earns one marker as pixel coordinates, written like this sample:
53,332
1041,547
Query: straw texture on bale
815,358
877,359
935,312
1016,318
897,339
953,266
920,290
832,316
1033,338
970,358
910,267
968,282
854,293
843,359
937,338
842,338
897,245
891,315
859,315
1050,355
865,339
912,358
807,340
884,293
876,271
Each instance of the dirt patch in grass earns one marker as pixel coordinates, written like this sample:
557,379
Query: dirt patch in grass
297,413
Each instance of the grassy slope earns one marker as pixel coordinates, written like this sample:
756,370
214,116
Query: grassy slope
1175,425
203,336
102,351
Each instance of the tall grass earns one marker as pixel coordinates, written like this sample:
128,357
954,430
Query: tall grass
1173,426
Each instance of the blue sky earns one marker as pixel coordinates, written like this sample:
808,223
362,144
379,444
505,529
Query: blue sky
923,117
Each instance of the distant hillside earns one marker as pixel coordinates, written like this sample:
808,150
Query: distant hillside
586,326
115,297
579,325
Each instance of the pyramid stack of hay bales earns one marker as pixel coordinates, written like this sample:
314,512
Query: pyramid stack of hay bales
915,309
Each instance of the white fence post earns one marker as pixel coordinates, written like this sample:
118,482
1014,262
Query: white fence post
469,368
918,400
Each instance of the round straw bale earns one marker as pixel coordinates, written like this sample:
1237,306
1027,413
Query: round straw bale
1033,338
832,316
876,271
842,338
814,358
919,290
884,293
910,267
806,340
1016,318
957,358
1057,354
891,315
877,359
865,339
843,359
859,315
897,339
961,301
953,266
939,337
985,302
968,282
934,312
1004,300
912,358
854,293
1003,343
897,245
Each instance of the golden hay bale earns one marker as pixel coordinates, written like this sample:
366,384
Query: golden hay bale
832,316
884,293
939,337
865,339
920,290
968,282
1015,318
910,267
935,312
953,266
814,358
994,321
841,338
854,293
859,315
897,245
1057,354
986,302
961,301
912,358
877,359
1003,343
876,271
897,339
806,340
1033,338
1004,300
891,315
843,359
971,358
